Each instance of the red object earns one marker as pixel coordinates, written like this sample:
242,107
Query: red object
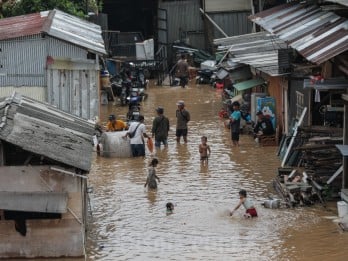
219,85
252,212
150,144
223,114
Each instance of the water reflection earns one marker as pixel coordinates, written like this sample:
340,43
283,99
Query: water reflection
130,222
200,228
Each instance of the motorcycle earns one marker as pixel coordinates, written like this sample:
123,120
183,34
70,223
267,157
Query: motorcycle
205,76
133,111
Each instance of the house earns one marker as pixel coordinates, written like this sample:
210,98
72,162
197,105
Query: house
319,70
260,51
52,57
45,155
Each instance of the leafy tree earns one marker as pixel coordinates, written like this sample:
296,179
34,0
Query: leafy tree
75,7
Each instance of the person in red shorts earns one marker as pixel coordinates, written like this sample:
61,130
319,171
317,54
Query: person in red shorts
247,203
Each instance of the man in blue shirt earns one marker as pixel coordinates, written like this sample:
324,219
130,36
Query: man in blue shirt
235,123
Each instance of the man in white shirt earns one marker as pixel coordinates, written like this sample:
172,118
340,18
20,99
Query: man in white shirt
137,140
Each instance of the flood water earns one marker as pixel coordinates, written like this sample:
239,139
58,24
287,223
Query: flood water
130,223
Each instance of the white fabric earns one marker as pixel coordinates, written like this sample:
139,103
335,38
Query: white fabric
138,137
248,204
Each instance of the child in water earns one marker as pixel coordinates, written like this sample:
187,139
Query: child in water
170,207
151,177
247,203
204,150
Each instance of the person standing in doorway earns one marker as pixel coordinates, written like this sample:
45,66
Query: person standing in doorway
137,133
182,71
160,128
182,118
235,123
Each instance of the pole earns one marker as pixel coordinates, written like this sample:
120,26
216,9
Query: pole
212,21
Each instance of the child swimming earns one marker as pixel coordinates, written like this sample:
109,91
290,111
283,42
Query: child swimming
247,203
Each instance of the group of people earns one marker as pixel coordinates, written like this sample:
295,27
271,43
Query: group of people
136,132
263,126
159,131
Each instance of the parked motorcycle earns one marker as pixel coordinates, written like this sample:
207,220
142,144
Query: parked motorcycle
204,76
133,111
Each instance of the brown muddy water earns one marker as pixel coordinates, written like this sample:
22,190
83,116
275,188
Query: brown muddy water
130,223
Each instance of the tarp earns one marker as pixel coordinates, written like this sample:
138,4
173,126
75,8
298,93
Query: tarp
241,86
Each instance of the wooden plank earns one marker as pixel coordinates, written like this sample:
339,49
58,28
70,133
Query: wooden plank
36,179
46,202
294,136
44,238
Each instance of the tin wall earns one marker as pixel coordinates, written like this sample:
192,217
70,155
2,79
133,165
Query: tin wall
72,86
232,23
184,20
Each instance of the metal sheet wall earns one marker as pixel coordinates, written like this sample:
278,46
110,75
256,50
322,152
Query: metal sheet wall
59,48
226,5
184,17
23,62
232,23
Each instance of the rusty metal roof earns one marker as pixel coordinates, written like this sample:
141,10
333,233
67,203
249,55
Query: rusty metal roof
42,129
259,50
317,35
57,24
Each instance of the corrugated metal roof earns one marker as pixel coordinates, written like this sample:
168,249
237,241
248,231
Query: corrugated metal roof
317,35
259,50
342,2
57,24
42,129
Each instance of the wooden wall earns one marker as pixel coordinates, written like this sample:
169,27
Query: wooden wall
44,237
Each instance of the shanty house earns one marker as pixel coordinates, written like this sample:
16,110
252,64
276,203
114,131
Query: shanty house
52,57
45,155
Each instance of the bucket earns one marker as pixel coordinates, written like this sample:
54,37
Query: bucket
342,208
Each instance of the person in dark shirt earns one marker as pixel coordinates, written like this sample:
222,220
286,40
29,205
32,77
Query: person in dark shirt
263,126
182,71
160,128
182,118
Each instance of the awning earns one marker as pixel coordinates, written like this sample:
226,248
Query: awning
241,86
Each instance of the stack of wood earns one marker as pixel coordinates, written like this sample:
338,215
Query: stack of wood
315,153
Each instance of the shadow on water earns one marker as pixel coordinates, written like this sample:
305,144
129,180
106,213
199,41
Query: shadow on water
130,223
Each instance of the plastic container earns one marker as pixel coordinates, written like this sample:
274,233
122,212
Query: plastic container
342,208
105,78
271,203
